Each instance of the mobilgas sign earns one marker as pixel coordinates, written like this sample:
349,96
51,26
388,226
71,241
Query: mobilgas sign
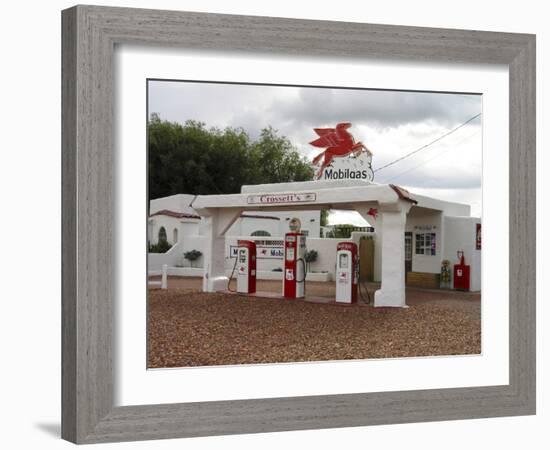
261,252
346,174
348,167
343,158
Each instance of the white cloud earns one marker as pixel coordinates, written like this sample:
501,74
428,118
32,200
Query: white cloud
390,123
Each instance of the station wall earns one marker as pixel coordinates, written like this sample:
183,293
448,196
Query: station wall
460,234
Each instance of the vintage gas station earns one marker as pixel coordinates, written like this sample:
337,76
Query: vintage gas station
261,297
385,206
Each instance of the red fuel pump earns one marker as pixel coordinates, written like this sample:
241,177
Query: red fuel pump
246,267
294,276
461,274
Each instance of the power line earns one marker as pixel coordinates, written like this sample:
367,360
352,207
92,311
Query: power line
431,159
395,161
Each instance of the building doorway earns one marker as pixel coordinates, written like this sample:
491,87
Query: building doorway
366,258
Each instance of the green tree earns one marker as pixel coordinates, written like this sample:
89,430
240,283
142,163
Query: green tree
194,159
342,231
275,160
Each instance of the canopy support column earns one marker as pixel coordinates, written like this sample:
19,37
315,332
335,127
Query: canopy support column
391,224
216,223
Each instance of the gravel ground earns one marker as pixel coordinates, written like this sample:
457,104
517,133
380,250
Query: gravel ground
187,327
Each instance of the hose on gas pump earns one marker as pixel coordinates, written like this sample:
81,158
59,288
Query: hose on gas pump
305,270
362,287
231,276
303,280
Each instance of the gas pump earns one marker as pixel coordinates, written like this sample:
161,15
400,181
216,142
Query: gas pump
461,274
294,278
246,267
347,272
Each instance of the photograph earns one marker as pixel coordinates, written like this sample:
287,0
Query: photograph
292,224
266,225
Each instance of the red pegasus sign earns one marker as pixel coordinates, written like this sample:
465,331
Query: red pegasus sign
338,142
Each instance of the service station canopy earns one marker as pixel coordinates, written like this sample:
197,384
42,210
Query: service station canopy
305,195
383,205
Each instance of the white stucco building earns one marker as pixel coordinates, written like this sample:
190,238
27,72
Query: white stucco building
178,218
412,235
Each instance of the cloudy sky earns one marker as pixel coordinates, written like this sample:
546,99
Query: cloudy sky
390,123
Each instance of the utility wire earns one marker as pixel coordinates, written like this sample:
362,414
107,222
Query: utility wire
431,159
395,161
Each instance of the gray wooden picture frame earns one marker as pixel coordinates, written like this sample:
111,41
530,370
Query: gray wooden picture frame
90,34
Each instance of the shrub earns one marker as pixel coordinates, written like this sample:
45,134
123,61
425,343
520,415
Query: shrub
309,257
445,277
192,255
160,247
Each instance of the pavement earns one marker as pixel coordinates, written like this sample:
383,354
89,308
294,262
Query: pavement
323,292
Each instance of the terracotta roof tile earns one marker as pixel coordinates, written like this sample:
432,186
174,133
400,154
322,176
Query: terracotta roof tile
403,194
257,216
177,215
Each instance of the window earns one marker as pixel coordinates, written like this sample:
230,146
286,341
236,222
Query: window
305,232
425,244
175,236
162,234
260,233
408,246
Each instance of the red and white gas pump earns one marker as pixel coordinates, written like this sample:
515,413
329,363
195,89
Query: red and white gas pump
294,279
246,267
347,272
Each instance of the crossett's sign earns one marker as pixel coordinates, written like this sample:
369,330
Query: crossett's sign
274,199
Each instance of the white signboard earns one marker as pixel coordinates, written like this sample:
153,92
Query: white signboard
275,199
349,167
261,252
265,249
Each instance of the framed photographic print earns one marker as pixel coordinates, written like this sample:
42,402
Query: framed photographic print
265,228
